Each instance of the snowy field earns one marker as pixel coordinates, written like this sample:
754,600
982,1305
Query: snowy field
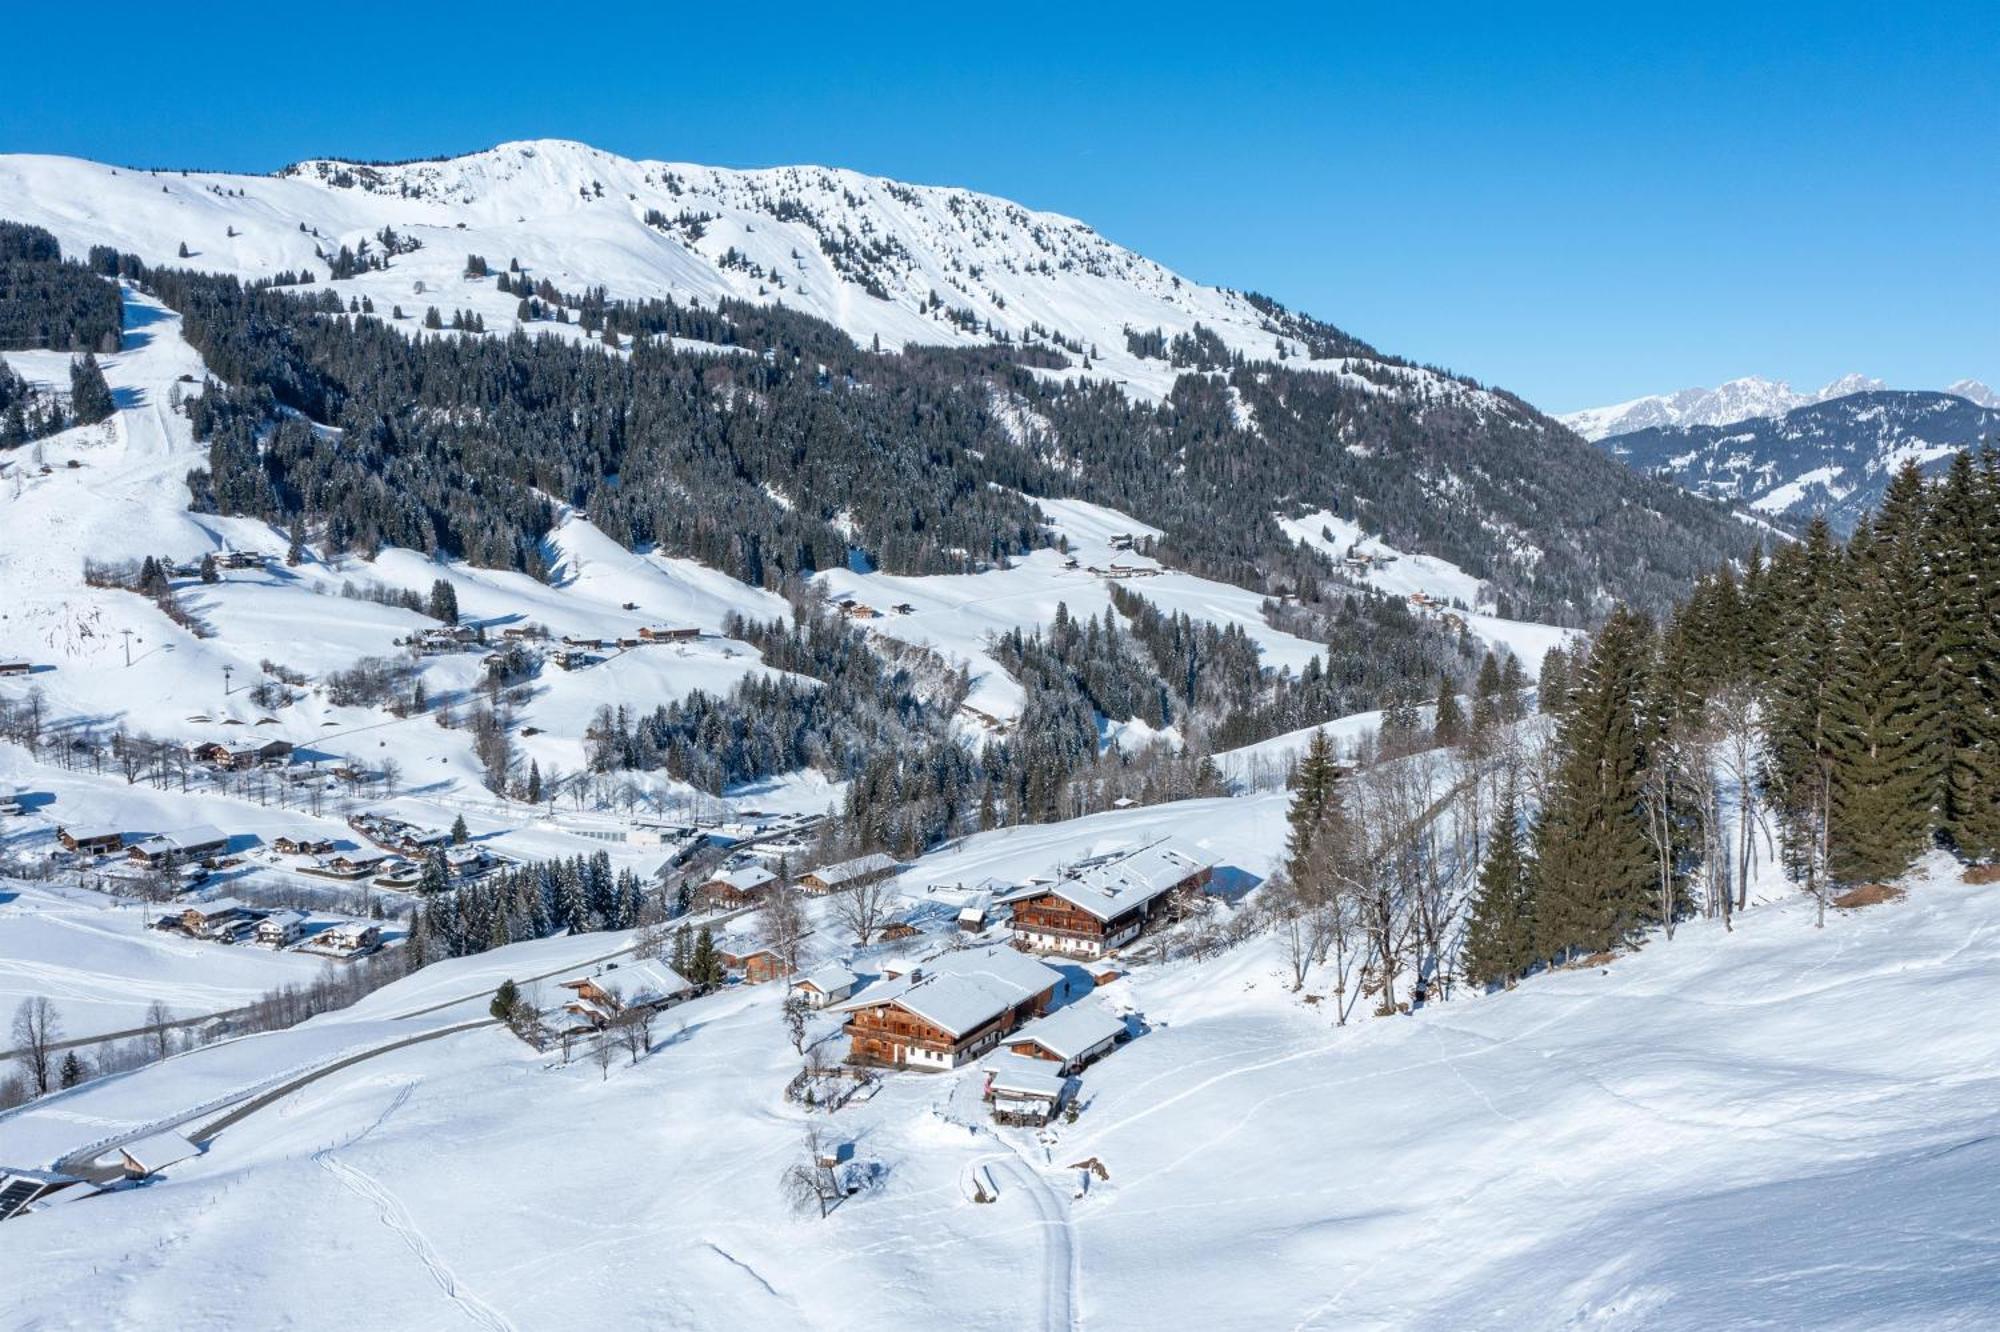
1725,1130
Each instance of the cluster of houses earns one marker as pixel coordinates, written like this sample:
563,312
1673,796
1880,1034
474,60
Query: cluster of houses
240,755
224,559
397,836
227,921
745,881
192,850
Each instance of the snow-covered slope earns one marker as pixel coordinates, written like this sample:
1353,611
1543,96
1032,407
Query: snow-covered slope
1782,1126
879,258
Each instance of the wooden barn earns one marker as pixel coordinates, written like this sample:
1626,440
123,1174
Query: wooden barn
733,889
848,874
90,841
1070,1037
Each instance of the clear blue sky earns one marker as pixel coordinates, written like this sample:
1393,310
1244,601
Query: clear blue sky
1580,204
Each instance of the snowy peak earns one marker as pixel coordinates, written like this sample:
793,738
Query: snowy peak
881,259
1747,399
1974,392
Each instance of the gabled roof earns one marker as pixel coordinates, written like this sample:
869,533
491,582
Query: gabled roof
746,879
157,1151
1023,1076
961,991
645,981
1111,887
222,906
830,979
1068,1032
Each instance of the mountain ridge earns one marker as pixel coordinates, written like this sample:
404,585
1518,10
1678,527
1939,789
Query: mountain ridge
1749,398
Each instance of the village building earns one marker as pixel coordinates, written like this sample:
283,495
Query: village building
155,1152
223,921
280,929
355,864
668,634
756,966
303,846
1070,1037
741,887
11,667
972,917
21,1188
831,984
574,641
899,929
1105,904
187,845
237,755
348,938
608,992
571,659
949,1010
90,841
1024,1091
848,874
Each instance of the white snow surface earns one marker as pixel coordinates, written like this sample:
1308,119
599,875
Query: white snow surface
1780,1126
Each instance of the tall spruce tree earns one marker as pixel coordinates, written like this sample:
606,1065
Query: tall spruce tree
1500,935
1593,864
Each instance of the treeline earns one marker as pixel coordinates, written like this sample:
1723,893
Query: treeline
1849,696
579,896
48,302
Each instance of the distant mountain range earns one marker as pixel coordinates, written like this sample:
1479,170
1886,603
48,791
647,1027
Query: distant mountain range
1747,399
1832,457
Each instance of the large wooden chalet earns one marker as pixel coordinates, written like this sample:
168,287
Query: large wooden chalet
1104,905
949,1010
847,874
605,994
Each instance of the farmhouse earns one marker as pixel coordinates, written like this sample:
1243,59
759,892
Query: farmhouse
303,846
571,659
16,667
1103,905
90,841
949,1010
1024,1091
354,864
347,938
235,755
223,920
848,874
828,985
188,845
668,634
610,991
280,929
735,888
1069,1037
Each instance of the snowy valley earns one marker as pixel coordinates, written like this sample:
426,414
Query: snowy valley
819,751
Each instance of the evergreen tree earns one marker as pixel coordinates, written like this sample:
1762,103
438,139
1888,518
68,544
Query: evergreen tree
444,601
506,1000
295,547
1552,687
1315,792
1500,935
1486,695
1803,586
1448,724
72,1071
459,832
1594,880
436,877
209,573
90,399
706,964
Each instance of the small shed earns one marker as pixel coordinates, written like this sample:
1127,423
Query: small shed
154,1153
828,985
1024,1091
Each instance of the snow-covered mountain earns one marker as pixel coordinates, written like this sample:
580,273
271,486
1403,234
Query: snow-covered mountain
1833,458
1750,398
879,258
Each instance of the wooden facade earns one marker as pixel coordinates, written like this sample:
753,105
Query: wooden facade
891,1033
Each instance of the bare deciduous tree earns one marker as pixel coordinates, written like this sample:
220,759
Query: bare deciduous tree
796,1012
809,1183
36,1031
864,908
782,920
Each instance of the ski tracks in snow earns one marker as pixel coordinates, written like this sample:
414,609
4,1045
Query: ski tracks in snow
393,1215
1061,1262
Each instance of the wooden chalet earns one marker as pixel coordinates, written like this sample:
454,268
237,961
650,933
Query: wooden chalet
236,755
619,988
948,1011
1103,905
756,966
348,937
668,634
90,841
303,846
221,919
280,929
187,846
16,667
737,888
1070,1037
848,874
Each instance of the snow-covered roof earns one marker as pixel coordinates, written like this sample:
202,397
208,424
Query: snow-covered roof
646,981
201,834
1112,887
222,906
830,979
746,879
157,1151
861,867
1023,1076
961,991
1068,1032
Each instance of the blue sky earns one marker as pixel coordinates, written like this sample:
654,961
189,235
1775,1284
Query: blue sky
1582,204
